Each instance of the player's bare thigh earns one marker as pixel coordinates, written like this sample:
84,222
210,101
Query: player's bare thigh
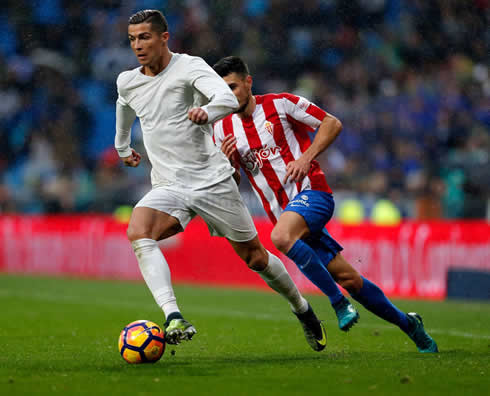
151,223
345,274
290,227
252,252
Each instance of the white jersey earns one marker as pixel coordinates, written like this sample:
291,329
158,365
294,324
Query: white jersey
180,151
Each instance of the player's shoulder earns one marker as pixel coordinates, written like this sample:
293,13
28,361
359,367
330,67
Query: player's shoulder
125,77
277,96
190,60
295,102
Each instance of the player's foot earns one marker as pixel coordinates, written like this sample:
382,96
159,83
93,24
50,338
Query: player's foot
347,315
315,332
178,330
417,333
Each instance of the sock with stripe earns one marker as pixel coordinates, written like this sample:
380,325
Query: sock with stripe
311,266
373,299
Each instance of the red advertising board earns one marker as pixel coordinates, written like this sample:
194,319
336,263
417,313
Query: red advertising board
409,260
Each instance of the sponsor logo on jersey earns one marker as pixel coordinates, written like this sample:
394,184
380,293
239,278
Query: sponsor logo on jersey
269,127
255,158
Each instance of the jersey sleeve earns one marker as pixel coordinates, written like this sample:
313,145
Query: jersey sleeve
303,111
222,101
125,117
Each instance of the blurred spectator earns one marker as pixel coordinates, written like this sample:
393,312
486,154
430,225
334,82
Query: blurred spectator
408,79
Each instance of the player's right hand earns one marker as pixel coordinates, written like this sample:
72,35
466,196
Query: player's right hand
132,160
228,146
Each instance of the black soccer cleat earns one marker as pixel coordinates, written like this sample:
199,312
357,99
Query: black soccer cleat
315,332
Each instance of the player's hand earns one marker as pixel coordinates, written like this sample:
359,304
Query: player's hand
132,160
228,146
198,116
297,170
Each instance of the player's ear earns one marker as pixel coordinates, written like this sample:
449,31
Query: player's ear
249,80
165,36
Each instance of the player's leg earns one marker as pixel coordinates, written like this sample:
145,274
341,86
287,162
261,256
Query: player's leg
147,226
287,236
373,299
295,235
274,273
226,215
272,270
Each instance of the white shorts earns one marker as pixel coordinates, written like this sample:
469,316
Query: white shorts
220,206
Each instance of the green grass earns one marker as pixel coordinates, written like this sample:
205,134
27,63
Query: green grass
59,336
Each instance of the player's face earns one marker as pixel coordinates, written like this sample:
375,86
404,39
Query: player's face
241,87
147,45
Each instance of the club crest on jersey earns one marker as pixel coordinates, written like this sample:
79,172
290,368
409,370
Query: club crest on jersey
269,127
254,159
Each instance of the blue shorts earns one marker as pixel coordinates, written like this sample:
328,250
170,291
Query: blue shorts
316,207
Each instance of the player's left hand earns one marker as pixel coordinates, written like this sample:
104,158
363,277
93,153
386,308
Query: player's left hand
198,116
297,170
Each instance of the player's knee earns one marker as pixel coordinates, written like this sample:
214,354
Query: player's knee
351,281
134,233
281,241
257,259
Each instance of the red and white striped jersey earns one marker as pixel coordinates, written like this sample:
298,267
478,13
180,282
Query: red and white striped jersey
274,135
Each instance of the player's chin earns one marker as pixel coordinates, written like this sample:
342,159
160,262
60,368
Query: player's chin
143,61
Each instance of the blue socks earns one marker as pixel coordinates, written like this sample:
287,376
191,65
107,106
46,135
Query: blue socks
309,261
373,299
311,266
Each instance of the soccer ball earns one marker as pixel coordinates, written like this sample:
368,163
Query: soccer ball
141,341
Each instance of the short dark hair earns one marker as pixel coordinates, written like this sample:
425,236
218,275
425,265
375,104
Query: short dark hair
231,64
153,17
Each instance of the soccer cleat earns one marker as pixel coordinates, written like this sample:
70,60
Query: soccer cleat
417,333
315,332
347,315
178,330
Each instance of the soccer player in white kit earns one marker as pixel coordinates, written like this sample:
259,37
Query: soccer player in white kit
177,97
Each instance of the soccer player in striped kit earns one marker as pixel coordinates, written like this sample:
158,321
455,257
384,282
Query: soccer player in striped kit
268,137
176,98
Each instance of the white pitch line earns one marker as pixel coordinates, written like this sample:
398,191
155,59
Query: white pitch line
215,312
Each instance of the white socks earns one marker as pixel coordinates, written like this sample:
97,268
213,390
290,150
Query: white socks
156,273
277,277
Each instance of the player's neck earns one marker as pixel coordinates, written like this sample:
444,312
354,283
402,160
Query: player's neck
157,67
249,110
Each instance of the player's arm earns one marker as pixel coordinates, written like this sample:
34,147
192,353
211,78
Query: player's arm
125,117
222,101
328,131
312,117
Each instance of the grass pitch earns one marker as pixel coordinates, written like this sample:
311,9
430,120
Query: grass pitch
59,336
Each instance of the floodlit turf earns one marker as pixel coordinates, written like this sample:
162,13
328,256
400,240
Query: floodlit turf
59,336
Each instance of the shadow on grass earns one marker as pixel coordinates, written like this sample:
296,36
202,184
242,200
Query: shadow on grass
208,365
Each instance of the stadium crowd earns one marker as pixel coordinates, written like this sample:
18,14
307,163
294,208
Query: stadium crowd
408,79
